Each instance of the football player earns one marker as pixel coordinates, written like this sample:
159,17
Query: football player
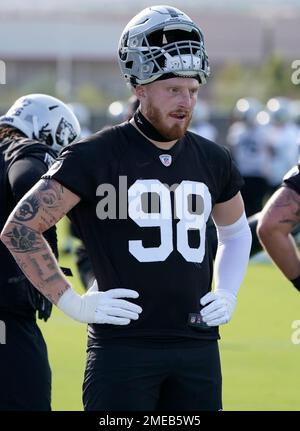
279,219
140,194
32,133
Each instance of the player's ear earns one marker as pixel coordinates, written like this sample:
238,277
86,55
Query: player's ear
140,91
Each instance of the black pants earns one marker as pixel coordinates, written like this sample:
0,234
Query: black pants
156,379
25,375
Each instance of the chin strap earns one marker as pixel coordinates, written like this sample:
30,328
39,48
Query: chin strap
147,129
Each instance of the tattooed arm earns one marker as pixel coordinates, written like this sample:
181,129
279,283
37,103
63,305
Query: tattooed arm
43,206
279,217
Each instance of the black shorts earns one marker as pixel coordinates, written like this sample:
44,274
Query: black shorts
25,373
124,377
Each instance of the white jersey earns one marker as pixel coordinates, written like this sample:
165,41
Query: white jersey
249,147
284,150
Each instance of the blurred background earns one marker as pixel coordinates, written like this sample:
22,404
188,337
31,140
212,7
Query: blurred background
68,49
251,104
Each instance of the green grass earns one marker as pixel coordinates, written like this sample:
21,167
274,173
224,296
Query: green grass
66,341
260,363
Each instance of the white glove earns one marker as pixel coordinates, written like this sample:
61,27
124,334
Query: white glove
220,308
100,307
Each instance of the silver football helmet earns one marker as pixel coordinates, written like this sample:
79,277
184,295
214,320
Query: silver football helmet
44,118
159,41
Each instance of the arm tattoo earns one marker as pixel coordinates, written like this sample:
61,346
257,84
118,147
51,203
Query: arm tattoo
23,239
27,209
36,266
45,200
291,201
36,213
50,194
51,264
53,277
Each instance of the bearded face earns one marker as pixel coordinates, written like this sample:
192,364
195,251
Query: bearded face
168,105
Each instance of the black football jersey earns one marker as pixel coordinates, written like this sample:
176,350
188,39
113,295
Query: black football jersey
292,179
17,295
142,217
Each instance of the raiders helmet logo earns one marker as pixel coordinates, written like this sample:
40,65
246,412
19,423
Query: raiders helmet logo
65,133
166,159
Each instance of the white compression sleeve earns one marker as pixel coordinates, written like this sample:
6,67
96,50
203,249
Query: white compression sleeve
234,244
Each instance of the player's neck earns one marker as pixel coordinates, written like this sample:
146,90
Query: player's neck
162,145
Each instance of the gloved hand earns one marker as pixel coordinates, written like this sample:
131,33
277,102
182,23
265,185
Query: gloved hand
221,305
100,307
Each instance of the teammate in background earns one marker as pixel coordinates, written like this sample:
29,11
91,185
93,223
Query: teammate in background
278,219
282,139
295,116
140,195
282,136
248,143
32,132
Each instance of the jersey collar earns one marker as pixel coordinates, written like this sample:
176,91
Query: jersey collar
140,141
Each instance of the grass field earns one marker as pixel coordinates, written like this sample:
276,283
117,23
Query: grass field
259,361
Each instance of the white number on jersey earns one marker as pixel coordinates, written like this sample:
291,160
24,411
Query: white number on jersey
162,218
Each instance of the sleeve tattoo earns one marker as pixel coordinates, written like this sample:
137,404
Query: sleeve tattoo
34,214
289,201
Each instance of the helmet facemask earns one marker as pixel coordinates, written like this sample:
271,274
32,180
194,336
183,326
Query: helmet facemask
173,47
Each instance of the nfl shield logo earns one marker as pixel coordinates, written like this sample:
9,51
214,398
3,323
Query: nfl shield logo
166,159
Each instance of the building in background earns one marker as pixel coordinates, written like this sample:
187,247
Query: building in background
68,48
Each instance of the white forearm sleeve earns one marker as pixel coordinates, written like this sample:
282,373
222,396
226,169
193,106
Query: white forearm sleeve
234,244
